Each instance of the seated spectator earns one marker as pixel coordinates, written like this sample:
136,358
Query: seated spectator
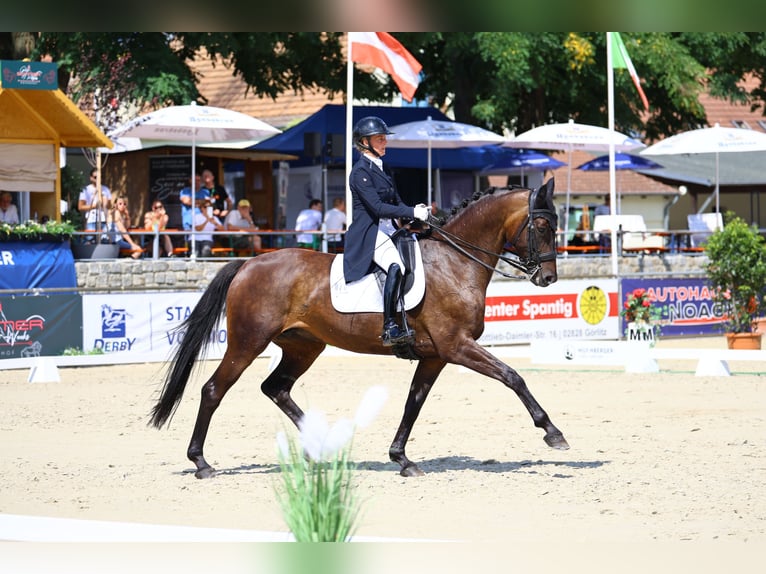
159,217
118,228
205,223
241,220
8,212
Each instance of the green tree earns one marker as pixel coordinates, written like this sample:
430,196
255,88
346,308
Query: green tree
500,80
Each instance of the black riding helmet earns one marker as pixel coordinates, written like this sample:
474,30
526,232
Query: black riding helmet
366,127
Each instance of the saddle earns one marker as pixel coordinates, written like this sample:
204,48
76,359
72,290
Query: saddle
366,294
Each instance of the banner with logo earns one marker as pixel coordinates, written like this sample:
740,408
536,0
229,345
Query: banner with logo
142,323
519,312
39,326
22,75
689,307
36,264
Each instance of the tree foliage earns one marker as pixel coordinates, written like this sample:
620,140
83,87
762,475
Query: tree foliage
499,80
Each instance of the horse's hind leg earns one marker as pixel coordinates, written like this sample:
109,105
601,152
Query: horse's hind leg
228,372
422,381
297,357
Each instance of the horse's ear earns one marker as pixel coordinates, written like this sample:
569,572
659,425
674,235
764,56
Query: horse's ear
549,185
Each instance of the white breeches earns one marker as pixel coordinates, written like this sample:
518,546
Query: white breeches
386,253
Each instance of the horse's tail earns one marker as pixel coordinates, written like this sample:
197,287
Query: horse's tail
196,338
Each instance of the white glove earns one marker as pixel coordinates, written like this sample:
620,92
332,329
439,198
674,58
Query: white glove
422,212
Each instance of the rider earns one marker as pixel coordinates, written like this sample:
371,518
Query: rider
375,204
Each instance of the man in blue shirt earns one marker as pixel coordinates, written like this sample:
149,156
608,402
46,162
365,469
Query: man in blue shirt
201,195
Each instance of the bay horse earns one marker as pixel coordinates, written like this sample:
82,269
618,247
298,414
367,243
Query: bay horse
284,297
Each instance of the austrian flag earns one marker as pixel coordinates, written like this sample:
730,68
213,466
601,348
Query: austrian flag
383,51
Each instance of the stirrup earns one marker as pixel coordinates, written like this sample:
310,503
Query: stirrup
394,335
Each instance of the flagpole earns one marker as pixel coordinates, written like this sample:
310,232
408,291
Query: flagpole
349,126
612,192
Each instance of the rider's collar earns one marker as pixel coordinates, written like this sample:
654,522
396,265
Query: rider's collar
376,160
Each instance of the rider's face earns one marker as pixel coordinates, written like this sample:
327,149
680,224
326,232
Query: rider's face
378,143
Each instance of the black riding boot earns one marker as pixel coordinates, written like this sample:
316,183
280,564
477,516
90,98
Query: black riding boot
392,333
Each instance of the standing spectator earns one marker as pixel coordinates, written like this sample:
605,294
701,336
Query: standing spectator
222,201
242,220
335,220
201,196
159,217
309,220
94,204
204,224
8,211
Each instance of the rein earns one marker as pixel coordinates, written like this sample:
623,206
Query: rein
529,266
456,242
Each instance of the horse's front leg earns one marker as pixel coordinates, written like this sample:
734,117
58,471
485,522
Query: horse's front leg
422,381
475,357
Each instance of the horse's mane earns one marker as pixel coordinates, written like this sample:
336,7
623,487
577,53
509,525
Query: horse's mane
476,197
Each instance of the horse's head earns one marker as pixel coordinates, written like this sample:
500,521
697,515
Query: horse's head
537,247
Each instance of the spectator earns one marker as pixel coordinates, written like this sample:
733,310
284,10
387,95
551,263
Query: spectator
158,217
120,223
222,201
437,212
8,212
241,220
201,196
335,220
205,223
309,220
94,204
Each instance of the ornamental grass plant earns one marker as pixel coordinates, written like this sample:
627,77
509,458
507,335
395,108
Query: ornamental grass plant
317,493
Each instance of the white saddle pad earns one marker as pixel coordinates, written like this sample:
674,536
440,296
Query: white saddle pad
365,295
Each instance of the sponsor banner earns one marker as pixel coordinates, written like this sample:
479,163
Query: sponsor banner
142,323
21,75
517,312
39,326
36,264
604,353
689,309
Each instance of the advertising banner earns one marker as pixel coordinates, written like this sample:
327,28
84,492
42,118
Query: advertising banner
689,309
23,75
36,264
142,323
39,326
517,312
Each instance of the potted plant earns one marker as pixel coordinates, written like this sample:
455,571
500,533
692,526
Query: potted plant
34,231
736,273
642,316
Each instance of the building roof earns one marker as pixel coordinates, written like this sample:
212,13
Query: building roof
46,116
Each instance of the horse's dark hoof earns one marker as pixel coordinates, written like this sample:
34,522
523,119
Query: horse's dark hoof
411,470
557,441
206,472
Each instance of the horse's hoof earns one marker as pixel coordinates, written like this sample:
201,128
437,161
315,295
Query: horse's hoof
557,441
411,470
207,472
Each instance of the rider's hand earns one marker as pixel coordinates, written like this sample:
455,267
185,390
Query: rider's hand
422,211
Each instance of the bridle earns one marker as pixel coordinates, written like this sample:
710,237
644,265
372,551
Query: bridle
529,265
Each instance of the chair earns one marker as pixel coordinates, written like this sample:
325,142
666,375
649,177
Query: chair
703,224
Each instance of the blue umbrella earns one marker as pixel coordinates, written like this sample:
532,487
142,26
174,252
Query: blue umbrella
517,161
622,161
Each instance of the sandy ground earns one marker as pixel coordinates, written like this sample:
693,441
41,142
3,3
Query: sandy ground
655,457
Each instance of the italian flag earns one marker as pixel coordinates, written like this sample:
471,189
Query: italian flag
382,50
620,59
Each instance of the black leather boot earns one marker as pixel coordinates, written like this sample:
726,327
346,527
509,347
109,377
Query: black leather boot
392,333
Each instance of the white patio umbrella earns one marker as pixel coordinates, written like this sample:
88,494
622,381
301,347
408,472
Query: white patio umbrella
710,140
195,124
570,136
440,134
